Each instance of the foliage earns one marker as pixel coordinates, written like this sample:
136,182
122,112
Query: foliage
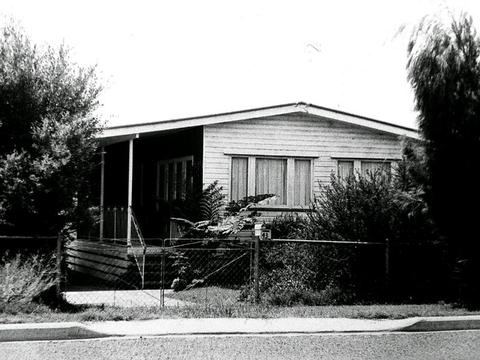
295,273
287,273
235,207
208,307
212,202
219,220
358,208
410,181
444,71
179,284
301,296
199,205
411,173
47,135
288,226
371,209
23,280
183,268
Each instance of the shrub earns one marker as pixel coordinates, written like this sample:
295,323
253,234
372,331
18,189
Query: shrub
25,279
369,208
235,207
179,284
213,224
308,274
212,202
288,227
357,209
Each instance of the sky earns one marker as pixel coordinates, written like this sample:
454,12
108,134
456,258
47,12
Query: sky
161,60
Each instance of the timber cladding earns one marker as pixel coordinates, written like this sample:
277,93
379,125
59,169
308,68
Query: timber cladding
292,136
102,260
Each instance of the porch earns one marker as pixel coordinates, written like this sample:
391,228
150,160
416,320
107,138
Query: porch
143,180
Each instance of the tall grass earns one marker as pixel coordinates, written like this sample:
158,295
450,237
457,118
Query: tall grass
23,279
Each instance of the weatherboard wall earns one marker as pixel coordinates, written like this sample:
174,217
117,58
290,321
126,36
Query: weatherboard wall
293,136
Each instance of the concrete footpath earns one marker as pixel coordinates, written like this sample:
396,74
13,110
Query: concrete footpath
228,326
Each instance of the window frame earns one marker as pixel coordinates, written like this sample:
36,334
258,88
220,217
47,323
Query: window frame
289,177
383,162
357,163
170,190
337,172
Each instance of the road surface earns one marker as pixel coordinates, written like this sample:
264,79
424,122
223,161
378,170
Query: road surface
429,345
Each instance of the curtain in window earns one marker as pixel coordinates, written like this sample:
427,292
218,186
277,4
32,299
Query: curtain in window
370,167
270,178
303,182
345,169
239,178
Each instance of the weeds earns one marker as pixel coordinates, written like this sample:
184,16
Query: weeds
23,280
108,313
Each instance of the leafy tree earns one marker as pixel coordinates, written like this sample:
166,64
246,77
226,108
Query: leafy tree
47,135
444,71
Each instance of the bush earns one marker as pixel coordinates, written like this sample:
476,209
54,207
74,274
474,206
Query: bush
359,208
233,208
307,274
179,284
25,279
288,227
369,208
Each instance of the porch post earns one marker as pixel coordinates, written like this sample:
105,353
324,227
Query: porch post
102,192
130,188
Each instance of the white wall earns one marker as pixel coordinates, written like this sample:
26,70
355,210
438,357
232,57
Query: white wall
292,135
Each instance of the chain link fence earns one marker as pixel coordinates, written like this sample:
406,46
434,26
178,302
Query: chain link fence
229,272
173,272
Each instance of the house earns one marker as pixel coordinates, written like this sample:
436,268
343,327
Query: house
287,149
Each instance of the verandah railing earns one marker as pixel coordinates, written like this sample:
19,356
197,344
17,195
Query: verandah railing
115,223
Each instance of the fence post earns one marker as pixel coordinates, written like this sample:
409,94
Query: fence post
387,264
114,223
59,276
256,274
162,274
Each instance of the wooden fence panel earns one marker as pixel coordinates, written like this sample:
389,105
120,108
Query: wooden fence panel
105,261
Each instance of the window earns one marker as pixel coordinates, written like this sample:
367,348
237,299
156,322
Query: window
303,182
239,181
345,169
174,178
371,167
270,178
288,178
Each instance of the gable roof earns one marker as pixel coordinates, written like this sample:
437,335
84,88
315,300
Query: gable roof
124,132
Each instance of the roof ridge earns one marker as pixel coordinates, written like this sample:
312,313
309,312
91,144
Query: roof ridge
296,104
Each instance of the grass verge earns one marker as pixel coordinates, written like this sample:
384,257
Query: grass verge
41,313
